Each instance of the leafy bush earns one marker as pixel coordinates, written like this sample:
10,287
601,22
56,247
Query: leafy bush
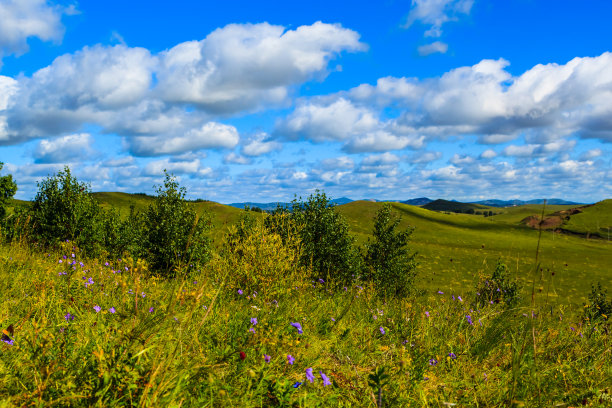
64,209
259,260
498,288
327,246
123,236
173,235
8,188
389,264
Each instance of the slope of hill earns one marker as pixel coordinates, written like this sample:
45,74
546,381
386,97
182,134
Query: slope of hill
417,201
592,220
454,206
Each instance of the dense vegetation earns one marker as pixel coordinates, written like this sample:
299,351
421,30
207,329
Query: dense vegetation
292,308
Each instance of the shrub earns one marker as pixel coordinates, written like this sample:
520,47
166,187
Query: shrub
173,235
64,209
327,246
389,264
599,306
8,188
123,236
498,288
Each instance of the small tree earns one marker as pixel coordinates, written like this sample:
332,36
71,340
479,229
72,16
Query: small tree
327,246
174,236
64,209
498,288
8,188
389,264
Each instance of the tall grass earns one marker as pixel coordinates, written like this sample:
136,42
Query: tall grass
102,332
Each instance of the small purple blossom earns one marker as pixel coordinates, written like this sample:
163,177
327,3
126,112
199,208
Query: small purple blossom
240,292
309,375
252,330
144,295
8,341
321,280
427,313
267,358
97,308
461,300
433,362
112,310
151,309
69,317
297,384
298,327
440,292
325,379
290,359
469,319
254,321
382,330
452,355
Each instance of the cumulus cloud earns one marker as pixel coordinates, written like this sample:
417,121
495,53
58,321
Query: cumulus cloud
23,19
210,135
66,149
488,154
435,13
156,168
433,48
242,66
233,158
260,144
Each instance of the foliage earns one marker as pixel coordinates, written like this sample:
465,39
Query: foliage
64,209
8,188
327,246
599,307
123,236
499,288
388,261
173,235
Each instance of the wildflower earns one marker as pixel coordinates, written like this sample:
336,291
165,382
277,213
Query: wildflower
267,358
252,330
106,263
325,379
433,362
73,255
461,300
254,321
440,292
452,355
69,317
453,297
82,264
151,309
298,327
240,292
242,355
469,319
97,308
290,359
333,320
321,280
309,375
427,313
297,384
144,295
382,330
8,340
112,310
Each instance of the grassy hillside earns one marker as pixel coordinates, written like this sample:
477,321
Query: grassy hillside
455,248
594,220
455,206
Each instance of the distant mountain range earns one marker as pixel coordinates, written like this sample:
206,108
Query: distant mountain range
415,201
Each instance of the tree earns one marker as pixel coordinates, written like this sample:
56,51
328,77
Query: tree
8,188
64,209
174,236
389,264
327,246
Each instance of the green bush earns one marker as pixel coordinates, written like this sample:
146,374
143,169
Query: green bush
599,307
8,188
498,288
123,236
327,247
64,209
173,235
389,264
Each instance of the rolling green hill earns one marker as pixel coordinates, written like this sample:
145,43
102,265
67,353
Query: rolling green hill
453,249
593,220
456,206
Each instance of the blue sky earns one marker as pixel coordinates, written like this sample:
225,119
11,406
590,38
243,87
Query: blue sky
259,101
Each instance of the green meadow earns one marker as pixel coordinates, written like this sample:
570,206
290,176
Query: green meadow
253,325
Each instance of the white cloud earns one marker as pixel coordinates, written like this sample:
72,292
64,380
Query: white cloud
337,163
435,47
382,140
156,168
23,19
233,158
488,154
209,136
259,145
65,149
244,66
424,157
436,13
591,154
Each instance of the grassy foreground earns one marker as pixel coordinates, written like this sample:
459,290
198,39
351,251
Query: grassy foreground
91,332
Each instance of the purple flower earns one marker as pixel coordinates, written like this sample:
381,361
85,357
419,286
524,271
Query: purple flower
151,309
240,292
309,375
298,327
8,341
452,355
252,330
440,292
382,330
267,358
290,359
97,308
433,362
321,280
427,313
69,317
469,319
297,384
143,294
325,379
254,321
112,310
106,263
461,300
